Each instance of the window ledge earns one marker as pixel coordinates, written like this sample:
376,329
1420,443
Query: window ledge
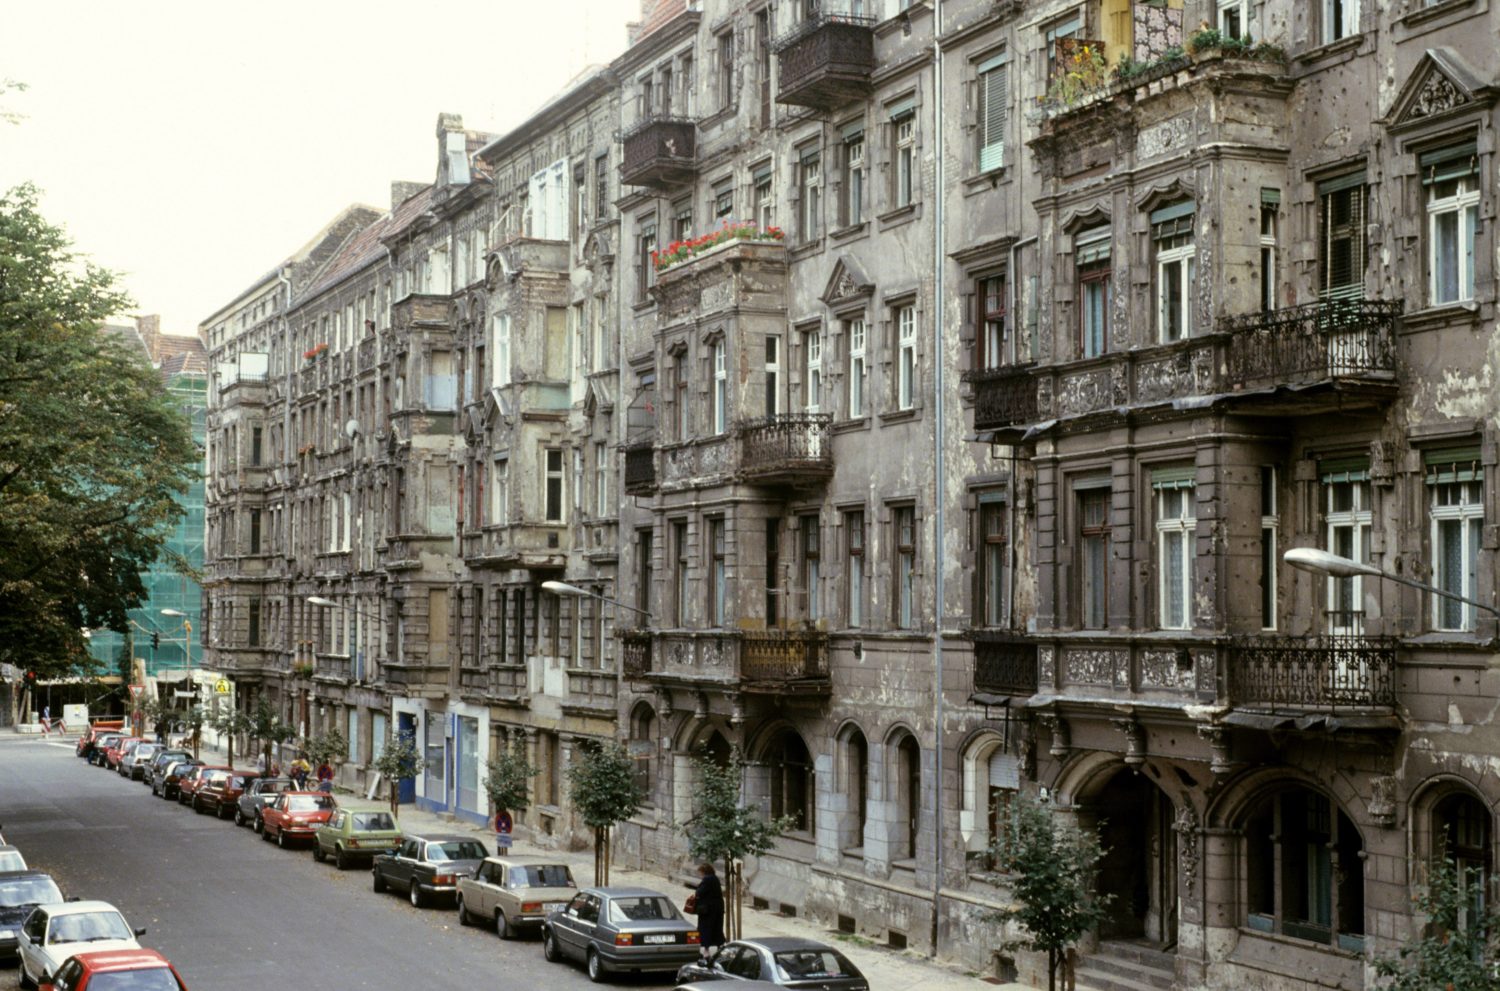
901,415
1331,49
900,215
722,114
846,426
1422,15
643,305
1443,315
851,232
806,249
1449,640
981,181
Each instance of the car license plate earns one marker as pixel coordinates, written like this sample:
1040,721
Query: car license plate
550,907
665,938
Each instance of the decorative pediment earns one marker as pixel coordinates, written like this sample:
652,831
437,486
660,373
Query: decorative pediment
1440,85
597,396
597,248
1077,220
847,283
496,405
501,267
1180,187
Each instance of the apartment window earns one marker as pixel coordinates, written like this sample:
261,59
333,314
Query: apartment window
764,203
580,201
993,106
853,203
723,204
1091,256
1270,530
1093,558
254,531
1451,177
763,62
255,446
1270,203
904,532
254,629
990,301
680,399
645,258
552,482
773,571
854,568
1340,20
810,210
1172,234
721,388
601,187
644,569
718,590
1070,27
548,195
773,376
812,379
993,562
680,570
854,331
812,567
1347,516
602,507
904,130
906,357
1234,18
1176,526
682,220
727,89
1455,483
1341,242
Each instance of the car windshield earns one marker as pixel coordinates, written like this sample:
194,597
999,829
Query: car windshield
146,750
373,820
308,803
541,876
28,891
88,927
11,860
798,965
213,777
645,908
150,979
167,756
456,850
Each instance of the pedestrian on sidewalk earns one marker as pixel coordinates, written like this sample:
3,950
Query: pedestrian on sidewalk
325,777
300,770
46,720
708,903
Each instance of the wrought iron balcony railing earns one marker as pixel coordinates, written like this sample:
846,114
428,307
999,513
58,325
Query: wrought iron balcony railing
660,151
1004,662
780,656
787,448
640,469
826,61
635,653
1314,342
1316,673
1003,397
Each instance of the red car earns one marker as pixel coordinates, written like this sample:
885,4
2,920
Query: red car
195,779
147,970
93,733
115,751
220,794
296,815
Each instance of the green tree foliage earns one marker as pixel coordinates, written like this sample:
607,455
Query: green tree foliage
604,791
231,724
399,759
330,747
1054,868
93,450
269,728
508,778
1459,947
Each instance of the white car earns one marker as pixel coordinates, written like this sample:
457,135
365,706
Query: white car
11,859
53,933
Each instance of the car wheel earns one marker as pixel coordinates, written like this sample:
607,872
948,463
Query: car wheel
415,894
340,858
260,825
318,853
595,966
550,950
239,817
266,835
281,839
463,910
219,812
26,981
502,925
379,881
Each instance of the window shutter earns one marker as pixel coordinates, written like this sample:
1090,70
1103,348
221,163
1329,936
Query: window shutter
992,117
1004,771
966,329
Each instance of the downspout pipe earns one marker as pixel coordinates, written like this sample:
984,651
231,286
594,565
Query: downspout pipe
1013,308
939,464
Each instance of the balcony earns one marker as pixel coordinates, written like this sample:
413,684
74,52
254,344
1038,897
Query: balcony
1314,674
473,681
826,61
768,662
1003,397
635,654
1341,345
777,660
787,449
509,682
660,152
1004,663
333,668
365,356
640,469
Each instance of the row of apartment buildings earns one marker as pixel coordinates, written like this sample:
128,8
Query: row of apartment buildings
971,474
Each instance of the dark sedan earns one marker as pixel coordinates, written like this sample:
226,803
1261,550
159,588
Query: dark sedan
168,779
786,961
20,892
158,763
620,929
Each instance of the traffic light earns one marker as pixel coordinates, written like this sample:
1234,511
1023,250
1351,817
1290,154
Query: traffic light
155,640
30,678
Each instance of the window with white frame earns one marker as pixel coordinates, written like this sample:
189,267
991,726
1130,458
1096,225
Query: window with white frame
993,560
854,568
552,484
991,350
718,591
812,378
906,357
1234,19
810,210
1340,20
1347,516
762,194
812,567
500,492
904,534
1175,528
773,375
680,397
682,220
1270,529
854,331
1270,205
1455,486
904,133
1172,235
547,194
723,200
1092,266
646,260
1451,178
602,507
993,108
853,204
721,388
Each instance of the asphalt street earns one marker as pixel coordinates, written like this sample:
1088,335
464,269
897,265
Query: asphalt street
234,913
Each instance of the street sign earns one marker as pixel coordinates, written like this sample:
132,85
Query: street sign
137,692
503,826
221,687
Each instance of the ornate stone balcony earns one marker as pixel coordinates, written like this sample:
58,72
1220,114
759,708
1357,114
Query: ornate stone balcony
1345,344
640,469
1328,673
1112,668
660,151
1140,377
421,310
787,449
774,662
1004,662
365,355
333,668
826,61
1003,397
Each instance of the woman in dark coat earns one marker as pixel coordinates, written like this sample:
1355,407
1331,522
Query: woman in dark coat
708,903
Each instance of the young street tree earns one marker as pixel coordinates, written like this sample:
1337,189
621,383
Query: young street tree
605,792
93,451
330,747
1054,867
722,828
1459,948
399,759
507,780
231,724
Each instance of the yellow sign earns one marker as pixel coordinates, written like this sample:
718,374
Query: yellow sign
221,686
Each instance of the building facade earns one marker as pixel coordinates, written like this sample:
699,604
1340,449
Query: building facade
923,396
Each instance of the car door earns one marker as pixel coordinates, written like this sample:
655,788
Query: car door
68,976
569,926
723,963
327,835
746,965
487,885
405,864
31,936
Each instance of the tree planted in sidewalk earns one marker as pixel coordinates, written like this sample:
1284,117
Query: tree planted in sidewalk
507,779
723,828
1054,866
399,759
329,748
231,724
267,726
1459,947
605,791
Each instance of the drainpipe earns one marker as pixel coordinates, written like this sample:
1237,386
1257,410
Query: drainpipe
938,465
1014,309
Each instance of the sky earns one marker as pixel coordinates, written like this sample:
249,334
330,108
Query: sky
190,147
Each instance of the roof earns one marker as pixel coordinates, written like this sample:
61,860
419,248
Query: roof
18,875
527,860
439,837
121,960
625,892
80,908
780,944
661,15
365,247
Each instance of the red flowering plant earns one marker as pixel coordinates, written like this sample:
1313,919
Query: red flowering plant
680,251
315,352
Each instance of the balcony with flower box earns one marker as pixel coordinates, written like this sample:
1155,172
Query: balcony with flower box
660,151
826,61
793,449
333,668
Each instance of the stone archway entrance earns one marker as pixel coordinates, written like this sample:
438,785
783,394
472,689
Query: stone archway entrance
1135,820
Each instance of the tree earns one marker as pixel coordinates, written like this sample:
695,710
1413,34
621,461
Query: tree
722,828
1459,948
1054,867
94,452
231,724
330,747
267,727
507,778
399,759
604,791
196,718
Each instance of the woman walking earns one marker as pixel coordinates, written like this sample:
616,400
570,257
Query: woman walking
708,903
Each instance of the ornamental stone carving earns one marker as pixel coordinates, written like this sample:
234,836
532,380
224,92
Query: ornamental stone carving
717,296
1437,95
1090,667
1165,138
1084,393
1186,826
1164,668
1383,800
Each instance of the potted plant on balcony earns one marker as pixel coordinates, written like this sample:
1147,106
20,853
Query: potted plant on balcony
315,352
680,251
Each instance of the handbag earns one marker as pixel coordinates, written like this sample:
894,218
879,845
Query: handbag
691,905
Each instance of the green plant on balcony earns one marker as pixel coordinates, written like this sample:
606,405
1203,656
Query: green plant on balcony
680,251
302,670
1210,42
1081,72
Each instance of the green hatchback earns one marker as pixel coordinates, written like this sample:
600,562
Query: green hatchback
354,834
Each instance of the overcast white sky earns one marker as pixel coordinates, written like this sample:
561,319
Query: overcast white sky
192,146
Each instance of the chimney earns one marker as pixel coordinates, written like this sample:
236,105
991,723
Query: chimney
148,328
401,191
453,151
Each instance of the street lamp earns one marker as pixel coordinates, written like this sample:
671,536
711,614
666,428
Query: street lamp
1321,562
573,591
187,644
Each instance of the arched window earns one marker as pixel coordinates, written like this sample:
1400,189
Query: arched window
991,780
908,797
1461,835
1304,869
855,786
643,748
791,779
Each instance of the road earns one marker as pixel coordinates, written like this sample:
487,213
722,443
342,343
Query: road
237,914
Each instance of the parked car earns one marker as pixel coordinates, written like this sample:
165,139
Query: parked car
90,737
168,778
102,743
221,793
128,748
514,894
116,750
147,970
741,986
194,779
11,859
52,933
140,758
428,866
163,757
784,961
356,834
620,929
20,892
295,815
257,795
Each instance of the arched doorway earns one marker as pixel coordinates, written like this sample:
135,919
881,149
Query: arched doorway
791,779
1139,870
